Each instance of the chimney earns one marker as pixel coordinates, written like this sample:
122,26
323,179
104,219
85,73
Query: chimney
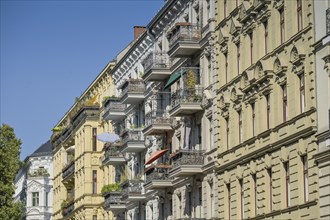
138,30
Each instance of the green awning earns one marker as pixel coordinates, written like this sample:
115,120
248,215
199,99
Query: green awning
173,78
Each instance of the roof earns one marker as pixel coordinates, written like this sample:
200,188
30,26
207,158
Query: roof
44,149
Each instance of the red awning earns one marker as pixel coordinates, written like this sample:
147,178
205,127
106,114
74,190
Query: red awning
155,155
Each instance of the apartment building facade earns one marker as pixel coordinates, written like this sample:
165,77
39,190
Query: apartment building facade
78,173
267,115
322,62
33,184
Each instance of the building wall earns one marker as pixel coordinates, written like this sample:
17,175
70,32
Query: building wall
251,142
77,149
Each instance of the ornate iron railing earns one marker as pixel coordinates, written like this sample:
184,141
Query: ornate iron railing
157,172
156,60
113,104
134,134
185,32
133,86
157,117
68,170
113,198
66,210
132,187
187,96
187,157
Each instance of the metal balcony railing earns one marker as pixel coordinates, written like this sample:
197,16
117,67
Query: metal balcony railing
130,187
68,170
157,117
187,157
113,104
185,32
156,60
133,134
193,96
66,210
133,86
113,198
157,172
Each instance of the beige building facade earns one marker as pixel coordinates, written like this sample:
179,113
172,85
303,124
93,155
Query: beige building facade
77,168
267,115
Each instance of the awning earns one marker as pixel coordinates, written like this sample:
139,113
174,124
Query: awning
173,78
155,155
107,137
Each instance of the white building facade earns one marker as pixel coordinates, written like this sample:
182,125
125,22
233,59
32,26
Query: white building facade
34,184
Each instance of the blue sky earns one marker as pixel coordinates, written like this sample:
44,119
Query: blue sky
50,52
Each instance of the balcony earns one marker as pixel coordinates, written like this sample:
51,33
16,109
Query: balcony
156,67
132,91
184,40
157,122
157,177
67,207
133,140
68,172
113,202
132,190
113,109
113,156
186,163
186,102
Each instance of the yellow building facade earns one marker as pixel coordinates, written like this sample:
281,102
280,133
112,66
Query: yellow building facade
78,171
266,110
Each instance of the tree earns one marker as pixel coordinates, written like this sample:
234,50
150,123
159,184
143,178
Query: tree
9,165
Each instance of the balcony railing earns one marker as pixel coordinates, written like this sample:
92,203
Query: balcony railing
68,209
131,188
113,155
187,157
184,96
113,109
185,32
157,172
157,117
68,170
133,86
133,134
156,60
113,199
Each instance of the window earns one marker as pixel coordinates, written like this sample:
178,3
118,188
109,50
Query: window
94,131
238,57
251,47
282,28
240,126
253,118
270,176
242,197
94,217
287,183
305,177
236,3
94,181
224,8
302,92
266,36
227,132
229,199
299,15
268,111
209,70
255,192
35,199
208,9
189,203
46,199
284,103
226,66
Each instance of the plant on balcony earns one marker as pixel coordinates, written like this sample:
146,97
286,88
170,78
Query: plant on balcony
67,202
110,188
39,172
191,80
57,128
